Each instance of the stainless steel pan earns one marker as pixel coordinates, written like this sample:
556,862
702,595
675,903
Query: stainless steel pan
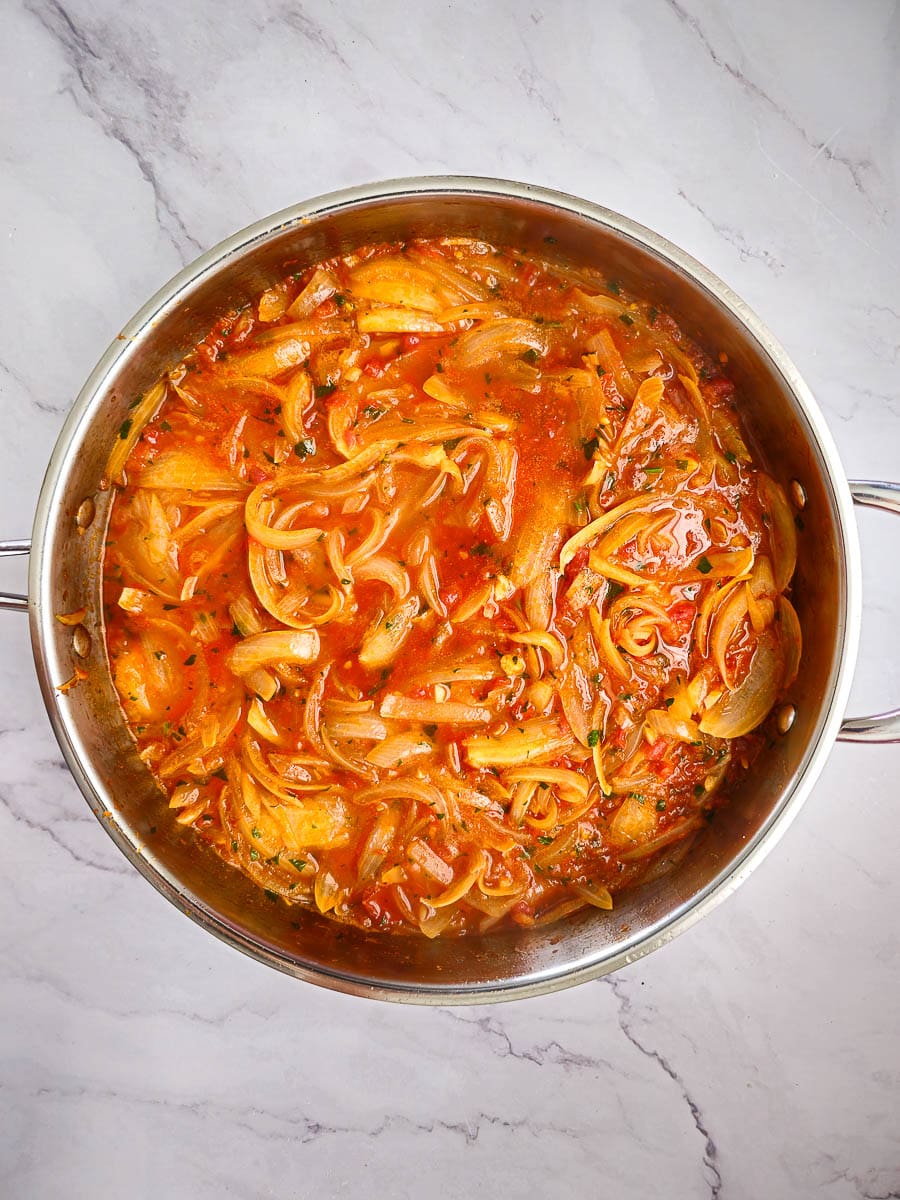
67,544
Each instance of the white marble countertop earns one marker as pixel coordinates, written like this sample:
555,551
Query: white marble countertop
757,1056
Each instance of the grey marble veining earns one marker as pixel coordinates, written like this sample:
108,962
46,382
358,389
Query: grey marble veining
759,1055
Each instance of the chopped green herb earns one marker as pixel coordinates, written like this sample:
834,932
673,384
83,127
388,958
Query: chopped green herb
626,319
704,566
270,895
254,832
660,806
590,447
530,356
373,412
305,447
165,426
594,738
125,429
481,549
190,660
297,863
545,839
325,389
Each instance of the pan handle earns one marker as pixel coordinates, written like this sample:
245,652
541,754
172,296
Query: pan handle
881,727
11,549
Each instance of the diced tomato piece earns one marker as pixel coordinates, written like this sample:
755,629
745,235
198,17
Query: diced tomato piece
373,368
210,350
578,561
682,616
656,749
719,388
241,330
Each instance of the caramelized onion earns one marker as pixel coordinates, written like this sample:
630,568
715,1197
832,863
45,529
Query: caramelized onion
299,646
742,709
782,529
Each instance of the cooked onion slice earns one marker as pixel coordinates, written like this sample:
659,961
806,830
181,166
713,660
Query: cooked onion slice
272,359
791,640
316,824
399,749
299,646
321,287
189,471
635,821
495,341
386,635
397,320
132,428
782,529
532,741
740,710
595,893
447,712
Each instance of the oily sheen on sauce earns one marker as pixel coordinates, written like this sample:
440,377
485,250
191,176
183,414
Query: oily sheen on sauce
443,590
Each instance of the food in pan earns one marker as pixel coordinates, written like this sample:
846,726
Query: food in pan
443,589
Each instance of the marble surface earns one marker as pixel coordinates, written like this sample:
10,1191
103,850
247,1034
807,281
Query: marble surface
757,1056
